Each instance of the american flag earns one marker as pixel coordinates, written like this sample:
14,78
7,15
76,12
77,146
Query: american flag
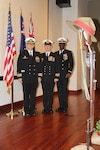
22,41
9,56
31,29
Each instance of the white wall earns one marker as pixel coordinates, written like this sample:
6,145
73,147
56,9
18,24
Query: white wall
55,23
70,13
82,8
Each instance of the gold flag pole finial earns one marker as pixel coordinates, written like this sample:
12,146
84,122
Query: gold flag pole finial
9,6
20,11
31,15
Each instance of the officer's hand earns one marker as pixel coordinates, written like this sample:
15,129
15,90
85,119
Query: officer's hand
20,80
67,75
39,79
56,80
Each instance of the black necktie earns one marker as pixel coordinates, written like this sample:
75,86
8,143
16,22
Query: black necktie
47,54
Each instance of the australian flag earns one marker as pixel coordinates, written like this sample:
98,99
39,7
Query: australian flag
22,41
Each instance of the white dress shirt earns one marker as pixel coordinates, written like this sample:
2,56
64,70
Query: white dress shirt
30,52
61,51
47,54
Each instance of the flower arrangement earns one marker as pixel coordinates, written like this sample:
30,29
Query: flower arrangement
98,127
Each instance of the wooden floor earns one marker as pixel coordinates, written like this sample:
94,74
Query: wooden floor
57,131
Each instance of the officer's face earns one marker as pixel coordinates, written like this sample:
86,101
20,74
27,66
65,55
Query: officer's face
30,46
62,45
48,47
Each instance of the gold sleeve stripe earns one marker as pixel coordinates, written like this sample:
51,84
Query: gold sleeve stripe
57,74
19,75
40,74
69,71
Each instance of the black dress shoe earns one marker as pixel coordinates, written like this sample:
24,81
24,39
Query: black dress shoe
44,111
59,109
27,115
50,111
64,110
32,114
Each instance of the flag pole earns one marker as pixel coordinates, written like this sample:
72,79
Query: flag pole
20,11
12,113
22,46
31,15
12,100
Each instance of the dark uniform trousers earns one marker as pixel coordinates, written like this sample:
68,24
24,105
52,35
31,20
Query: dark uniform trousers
49,71
47,95
62,86
29,90
65,60
27,69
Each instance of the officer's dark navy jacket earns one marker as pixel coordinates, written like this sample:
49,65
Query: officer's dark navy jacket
28,66
49,67
66,63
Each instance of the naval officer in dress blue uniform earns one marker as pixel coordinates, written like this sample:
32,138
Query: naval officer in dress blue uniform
49,75
27,72
66,67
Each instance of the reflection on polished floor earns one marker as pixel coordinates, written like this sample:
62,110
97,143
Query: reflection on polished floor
55,131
